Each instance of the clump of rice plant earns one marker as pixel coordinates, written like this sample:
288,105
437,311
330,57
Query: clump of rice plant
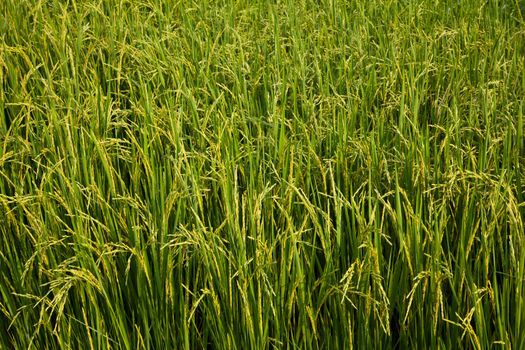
262,174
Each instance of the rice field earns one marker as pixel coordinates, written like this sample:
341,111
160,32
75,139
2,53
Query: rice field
262,174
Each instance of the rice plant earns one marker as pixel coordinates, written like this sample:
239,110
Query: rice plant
262,174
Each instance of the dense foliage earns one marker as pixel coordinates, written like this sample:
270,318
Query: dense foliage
262,174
